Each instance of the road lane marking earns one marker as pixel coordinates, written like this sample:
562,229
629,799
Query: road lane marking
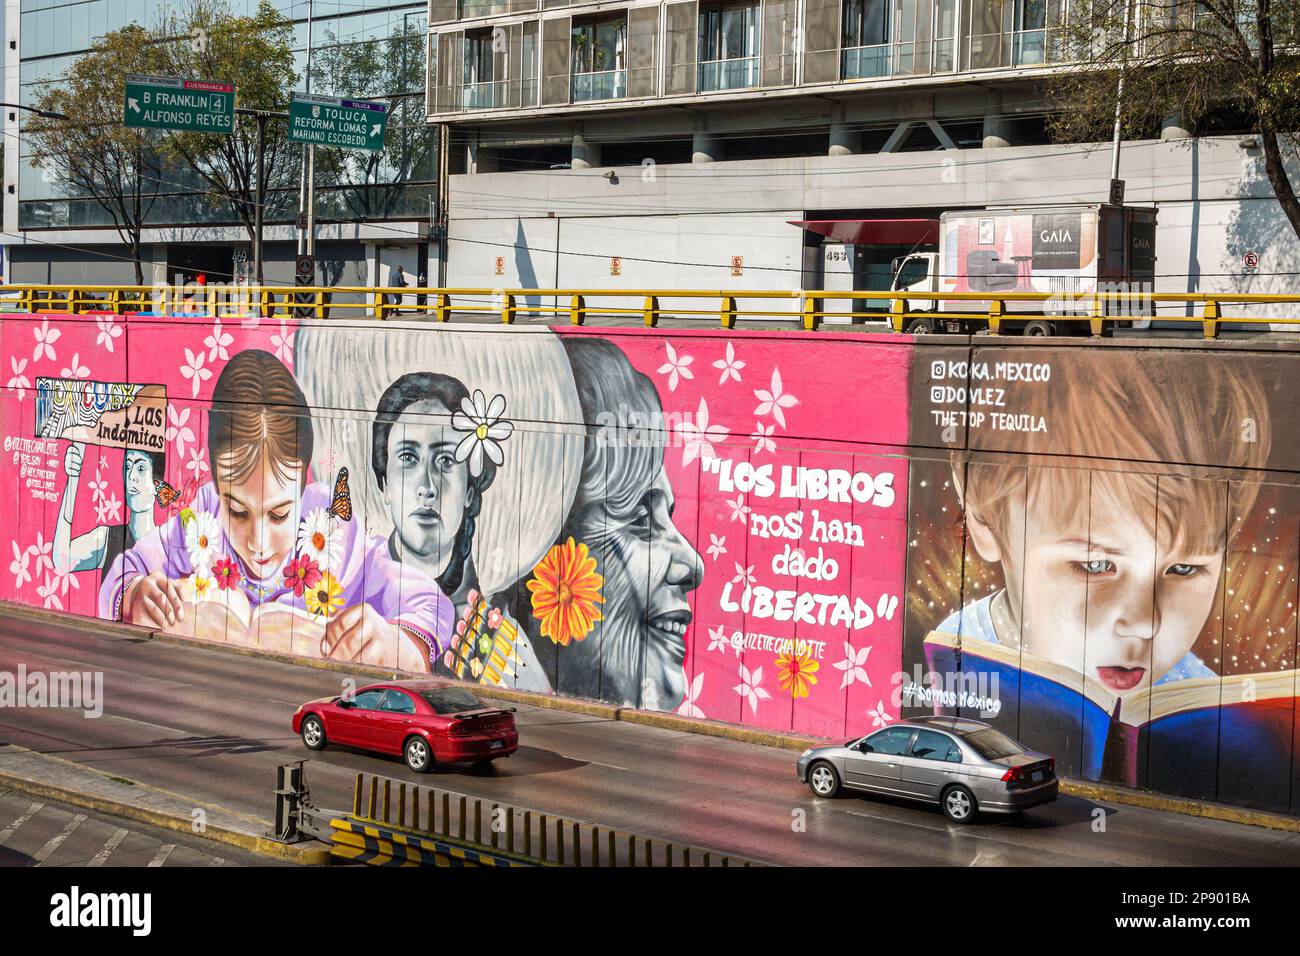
10,830
56,841
118,836
163,853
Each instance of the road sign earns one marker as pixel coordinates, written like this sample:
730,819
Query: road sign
166,102
1117,192
1251,260
329,121
304,269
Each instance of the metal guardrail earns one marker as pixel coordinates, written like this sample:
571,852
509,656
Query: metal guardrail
393,823
648,306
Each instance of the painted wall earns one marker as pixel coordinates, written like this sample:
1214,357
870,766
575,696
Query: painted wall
1096,545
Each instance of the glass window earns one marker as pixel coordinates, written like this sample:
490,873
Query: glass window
954,752
478,57
866,22
728,32
452,700
992,744
368,700
599,46
892,741
931,746
395,702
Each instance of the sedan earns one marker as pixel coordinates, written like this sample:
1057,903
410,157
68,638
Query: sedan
426,722
965,766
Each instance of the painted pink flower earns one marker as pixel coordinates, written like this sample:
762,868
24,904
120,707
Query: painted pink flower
227,573
301,574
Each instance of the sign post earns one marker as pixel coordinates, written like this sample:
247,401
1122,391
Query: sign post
330,121
191,106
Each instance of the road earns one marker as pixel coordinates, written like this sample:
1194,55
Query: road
213,725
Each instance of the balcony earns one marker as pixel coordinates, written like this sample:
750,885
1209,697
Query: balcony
480,96
735,74
601,85
864,62
1028,47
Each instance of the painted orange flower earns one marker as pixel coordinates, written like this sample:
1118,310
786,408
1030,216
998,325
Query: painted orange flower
795,673
566,590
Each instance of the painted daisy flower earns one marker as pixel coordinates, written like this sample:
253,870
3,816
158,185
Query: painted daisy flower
565,591
204,587
796,673
325,596
201,537
316,539
485,430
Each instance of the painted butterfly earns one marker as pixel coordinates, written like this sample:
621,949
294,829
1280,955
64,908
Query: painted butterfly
341,506
164,492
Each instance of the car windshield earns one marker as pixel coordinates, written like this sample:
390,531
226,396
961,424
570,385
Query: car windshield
992,744
451,700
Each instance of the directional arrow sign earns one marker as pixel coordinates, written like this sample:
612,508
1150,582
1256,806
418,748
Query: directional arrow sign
328,121
165,102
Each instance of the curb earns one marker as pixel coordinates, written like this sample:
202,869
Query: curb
1191,808
250,842
1075,788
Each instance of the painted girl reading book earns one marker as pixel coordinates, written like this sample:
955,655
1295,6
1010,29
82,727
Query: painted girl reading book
264,556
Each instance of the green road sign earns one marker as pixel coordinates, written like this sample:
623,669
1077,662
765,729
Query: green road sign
165,102
328,121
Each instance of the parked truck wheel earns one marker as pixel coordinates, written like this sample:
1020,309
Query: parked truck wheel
920,327
1039,327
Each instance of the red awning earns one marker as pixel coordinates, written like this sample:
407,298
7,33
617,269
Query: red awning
874,232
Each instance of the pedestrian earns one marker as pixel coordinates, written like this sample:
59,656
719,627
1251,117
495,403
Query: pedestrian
423,283
397,280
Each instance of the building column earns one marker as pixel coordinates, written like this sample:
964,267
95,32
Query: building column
1175,127
584,154
705,148
997,125
845,141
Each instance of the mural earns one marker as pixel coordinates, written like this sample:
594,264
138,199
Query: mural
1095,548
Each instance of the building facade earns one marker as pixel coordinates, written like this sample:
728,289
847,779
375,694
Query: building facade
373,210
782,143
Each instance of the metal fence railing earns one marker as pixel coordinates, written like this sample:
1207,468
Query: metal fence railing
1087,313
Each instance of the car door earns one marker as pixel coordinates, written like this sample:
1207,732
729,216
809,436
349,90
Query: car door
925,767
351,724
873,763
392,721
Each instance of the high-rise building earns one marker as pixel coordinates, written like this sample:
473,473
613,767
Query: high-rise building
373,210
793,144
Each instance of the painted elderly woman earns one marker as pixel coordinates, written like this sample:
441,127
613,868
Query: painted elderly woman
265,557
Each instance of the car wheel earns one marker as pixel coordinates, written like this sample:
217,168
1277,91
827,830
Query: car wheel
418,755
313,733
920,327
824,779
1039,327
959,804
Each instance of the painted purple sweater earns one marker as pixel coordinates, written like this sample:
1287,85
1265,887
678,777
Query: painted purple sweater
404,596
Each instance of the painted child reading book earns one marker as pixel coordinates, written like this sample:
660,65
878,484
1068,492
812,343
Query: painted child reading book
264,556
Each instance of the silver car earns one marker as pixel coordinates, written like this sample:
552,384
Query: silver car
963,765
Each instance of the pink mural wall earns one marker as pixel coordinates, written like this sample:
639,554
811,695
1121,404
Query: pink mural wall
710,522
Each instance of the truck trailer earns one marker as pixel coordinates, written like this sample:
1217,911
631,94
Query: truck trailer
1068,252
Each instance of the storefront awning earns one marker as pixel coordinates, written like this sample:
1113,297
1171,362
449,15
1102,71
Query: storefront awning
874,232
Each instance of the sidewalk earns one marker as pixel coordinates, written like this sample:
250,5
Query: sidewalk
52,778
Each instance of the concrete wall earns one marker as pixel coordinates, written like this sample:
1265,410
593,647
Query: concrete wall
1215,205
792,532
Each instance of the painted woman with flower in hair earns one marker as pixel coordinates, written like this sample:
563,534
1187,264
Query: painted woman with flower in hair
435,450
264,556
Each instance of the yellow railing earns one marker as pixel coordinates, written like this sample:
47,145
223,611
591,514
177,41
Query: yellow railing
1093,311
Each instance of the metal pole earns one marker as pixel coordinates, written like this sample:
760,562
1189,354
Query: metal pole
261,196
1119,94
311,155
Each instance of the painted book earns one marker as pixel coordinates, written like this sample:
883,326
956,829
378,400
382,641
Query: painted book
1100,735
229,617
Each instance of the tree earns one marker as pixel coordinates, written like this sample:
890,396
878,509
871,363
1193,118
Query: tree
392,69
204,40
1194,59
98,156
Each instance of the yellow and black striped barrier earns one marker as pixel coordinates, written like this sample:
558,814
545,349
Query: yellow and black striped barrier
357,842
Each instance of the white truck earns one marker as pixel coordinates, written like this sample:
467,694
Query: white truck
1069,252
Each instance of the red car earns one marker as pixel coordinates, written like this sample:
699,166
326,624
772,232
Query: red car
425,721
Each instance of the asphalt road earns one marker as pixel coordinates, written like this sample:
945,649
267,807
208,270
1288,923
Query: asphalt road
213,725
